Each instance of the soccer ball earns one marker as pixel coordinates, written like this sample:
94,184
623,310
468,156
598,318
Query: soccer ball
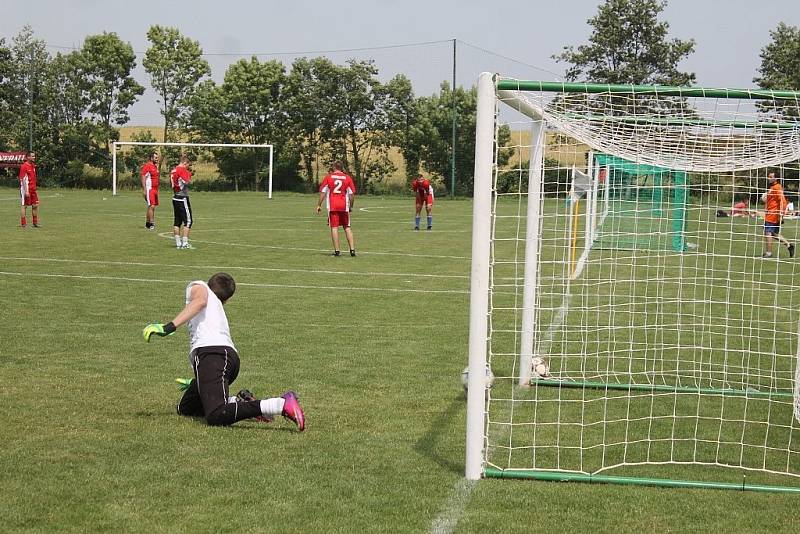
539,368
465,378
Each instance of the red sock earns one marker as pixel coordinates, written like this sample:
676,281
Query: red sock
35,219
23,221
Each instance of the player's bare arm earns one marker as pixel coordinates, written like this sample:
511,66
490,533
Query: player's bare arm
197,302
319,202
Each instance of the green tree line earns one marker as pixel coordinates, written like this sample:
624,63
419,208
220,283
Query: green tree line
69,106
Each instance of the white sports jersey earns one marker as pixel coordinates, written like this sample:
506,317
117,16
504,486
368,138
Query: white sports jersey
209,327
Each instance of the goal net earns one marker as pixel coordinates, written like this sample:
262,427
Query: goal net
634,330
244,164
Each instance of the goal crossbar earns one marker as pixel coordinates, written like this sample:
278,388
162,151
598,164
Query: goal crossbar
659,90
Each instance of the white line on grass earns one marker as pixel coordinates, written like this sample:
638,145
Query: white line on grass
276,286
231,268
40,196
275,247
453,507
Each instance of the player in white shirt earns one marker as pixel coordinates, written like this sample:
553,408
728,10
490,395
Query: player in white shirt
215,362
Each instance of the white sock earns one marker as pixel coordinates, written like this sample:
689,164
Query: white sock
186,240
273,406
232,399
177,240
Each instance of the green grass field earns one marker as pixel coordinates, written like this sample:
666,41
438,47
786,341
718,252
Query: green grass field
374,345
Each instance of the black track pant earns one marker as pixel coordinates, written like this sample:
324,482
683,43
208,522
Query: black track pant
215,368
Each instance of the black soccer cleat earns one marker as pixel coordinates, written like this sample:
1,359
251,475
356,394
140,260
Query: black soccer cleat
336,253
352,253
791,250
244,395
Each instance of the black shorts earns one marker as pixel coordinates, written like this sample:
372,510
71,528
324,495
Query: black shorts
183,212
215,369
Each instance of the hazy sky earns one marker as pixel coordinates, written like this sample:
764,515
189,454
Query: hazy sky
516,38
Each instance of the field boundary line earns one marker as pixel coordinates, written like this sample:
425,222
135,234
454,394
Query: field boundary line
223,268
167,235
454,507
246,284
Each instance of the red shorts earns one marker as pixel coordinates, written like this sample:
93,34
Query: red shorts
152,197
339,218
424,200
31,200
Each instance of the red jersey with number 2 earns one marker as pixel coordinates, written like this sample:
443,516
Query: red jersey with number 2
339,187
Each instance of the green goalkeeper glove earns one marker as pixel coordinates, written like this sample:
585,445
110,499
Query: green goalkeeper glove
158,329
183,383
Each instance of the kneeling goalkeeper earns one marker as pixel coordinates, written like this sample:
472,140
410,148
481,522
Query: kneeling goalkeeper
215,361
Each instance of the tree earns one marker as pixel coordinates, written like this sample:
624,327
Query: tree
306,106
780,69
402,114
7,110
175,65
29,63
105,66
356,125
629,45
431,135
246,108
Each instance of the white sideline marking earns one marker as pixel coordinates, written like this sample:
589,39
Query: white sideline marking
454,507
275,247
219,268
277,286
40,196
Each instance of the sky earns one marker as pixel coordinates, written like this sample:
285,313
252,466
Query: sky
413,37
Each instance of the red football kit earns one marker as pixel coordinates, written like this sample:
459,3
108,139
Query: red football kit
339,188
150,175
27,179
423,191
180,177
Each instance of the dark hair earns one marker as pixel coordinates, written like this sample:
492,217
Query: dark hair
337,165
153,153
222,285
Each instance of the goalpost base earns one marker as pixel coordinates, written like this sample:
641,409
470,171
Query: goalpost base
582,384
561,476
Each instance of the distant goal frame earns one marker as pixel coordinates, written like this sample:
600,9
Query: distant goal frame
116,144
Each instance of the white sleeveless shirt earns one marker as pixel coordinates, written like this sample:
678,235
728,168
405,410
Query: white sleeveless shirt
209,327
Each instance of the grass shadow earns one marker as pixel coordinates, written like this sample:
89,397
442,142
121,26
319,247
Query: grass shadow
427,444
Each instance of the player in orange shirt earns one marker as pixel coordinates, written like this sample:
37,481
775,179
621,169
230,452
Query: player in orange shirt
27,191
423,194
338,189
775,207
150,177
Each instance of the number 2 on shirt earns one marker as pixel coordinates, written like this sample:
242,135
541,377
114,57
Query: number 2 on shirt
337,186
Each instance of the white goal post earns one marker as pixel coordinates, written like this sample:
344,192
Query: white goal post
201,145
635,332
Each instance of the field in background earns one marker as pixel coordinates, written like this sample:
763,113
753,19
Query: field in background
374,345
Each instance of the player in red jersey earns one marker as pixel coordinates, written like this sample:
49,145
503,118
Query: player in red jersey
27,191
150,177
181,208
339,191
423,192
